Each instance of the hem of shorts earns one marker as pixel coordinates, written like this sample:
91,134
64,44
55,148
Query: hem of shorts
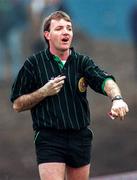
43,162
73,166
79,165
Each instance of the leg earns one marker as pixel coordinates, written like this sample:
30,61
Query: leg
52,171
81,173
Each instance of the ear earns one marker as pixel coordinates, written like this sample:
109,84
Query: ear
47,35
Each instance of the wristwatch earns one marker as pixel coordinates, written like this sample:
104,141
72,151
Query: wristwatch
118,97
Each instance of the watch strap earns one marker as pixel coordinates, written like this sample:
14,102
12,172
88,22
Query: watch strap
118,97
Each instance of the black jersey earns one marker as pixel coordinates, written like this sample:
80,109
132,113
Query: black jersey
69,109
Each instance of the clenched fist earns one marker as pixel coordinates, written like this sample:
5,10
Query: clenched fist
119,109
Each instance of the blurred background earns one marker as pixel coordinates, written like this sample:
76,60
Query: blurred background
106,30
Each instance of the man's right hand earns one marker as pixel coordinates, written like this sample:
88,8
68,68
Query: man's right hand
28,101
53,86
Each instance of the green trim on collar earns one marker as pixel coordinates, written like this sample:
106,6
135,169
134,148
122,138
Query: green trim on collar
103,84
58,60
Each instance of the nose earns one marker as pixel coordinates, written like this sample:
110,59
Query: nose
65,31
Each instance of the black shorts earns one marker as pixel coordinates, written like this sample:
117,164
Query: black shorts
72,147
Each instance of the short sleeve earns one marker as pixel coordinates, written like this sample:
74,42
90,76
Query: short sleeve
95,76
24,83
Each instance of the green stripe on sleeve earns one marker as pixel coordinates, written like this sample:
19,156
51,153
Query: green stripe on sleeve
103,84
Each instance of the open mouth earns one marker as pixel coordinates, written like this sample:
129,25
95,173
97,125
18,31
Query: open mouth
65,39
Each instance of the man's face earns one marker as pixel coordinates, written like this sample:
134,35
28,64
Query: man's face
60,35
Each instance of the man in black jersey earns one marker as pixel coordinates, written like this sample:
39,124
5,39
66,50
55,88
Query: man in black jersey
52,84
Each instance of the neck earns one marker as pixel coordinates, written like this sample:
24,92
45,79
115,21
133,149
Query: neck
61,54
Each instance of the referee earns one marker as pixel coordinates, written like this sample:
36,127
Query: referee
52,84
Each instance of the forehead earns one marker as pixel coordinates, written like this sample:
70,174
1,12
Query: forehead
61,22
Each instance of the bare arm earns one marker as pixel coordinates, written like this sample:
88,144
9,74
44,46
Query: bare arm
119,107
28,101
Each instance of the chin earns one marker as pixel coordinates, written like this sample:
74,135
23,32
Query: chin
65,47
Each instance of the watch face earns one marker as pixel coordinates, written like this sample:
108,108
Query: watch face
118,97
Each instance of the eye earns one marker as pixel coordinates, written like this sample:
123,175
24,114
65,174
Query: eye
58,28
69,28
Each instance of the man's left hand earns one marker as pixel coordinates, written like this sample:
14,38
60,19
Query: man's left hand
119,109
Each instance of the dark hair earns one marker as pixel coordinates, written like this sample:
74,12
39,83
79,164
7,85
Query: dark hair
57,15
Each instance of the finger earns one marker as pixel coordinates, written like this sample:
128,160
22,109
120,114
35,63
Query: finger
114,113
125,111
126,108
59,84
54,84
52,78
122,112
58,79
58,88
111,116
122,115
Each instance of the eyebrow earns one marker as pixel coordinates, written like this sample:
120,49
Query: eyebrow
63,26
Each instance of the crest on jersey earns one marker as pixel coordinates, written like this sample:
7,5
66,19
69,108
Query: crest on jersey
82,85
